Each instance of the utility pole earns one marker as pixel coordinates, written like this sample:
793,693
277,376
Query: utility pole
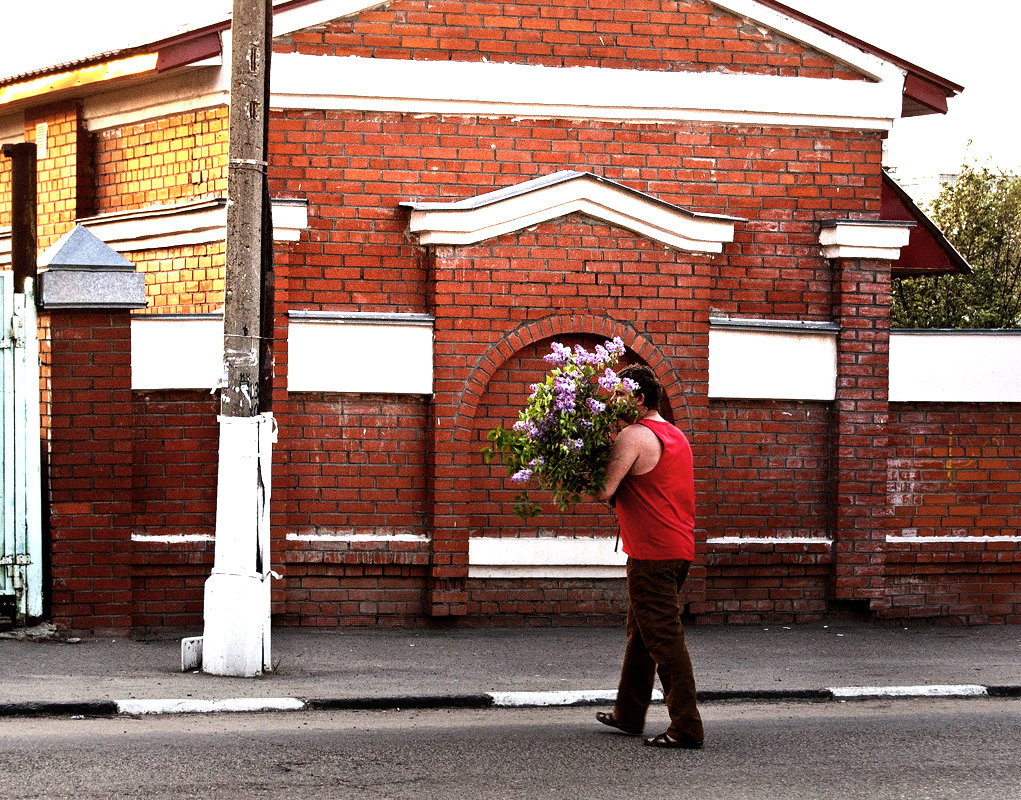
236,635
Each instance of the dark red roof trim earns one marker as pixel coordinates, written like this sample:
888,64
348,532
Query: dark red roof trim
928,251
921,88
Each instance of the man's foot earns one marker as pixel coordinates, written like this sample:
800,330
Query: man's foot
668,741
607,718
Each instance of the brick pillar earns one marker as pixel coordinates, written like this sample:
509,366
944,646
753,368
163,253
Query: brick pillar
87,292
90,470
862,253
449,459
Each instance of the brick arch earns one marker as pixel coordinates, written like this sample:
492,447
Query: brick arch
529,333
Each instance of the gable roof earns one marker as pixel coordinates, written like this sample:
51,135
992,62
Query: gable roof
924,91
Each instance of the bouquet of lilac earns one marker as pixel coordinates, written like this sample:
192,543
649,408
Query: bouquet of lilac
562,437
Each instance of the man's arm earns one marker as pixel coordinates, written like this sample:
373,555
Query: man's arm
623,454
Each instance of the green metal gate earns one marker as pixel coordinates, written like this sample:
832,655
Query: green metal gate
21,589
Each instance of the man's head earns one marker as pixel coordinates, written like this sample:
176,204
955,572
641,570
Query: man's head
648,384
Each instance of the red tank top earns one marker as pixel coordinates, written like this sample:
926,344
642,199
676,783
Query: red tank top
656,510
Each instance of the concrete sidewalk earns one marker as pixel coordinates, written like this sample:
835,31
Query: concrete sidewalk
358,668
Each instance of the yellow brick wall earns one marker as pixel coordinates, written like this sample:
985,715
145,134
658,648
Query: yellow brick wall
182,280
57,172
162,162
5,191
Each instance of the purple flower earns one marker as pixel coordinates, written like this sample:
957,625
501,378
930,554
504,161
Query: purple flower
609,381
564,388
629,385
537,462
528,428
560,354
616,347
575,445
595,406
522,476
587,424
601,357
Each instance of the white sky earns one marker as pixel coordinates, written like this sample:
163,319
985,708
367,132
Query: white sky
971,44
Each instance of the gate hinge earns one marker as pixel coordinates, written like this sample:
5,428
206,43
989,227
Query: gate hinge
20,560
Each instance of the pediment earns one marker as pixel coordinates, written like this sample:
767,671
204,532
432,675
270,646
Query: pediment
514,208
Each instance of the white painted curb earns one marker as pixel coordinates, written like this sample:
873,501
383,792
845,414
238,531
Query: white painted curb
945,690
137,707
571,698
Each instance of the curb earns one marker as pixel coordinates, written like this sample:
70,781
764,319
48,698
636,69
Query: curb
136,708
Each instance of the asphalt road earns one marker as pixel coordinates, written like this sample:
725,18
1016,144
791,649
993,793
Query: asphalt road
910,749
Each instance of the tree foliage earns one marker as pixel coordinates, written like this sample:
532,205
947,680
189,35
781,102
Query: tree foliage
981,216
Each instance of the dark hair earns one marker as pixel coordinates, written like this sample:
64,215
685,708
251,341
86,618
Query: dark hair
648,383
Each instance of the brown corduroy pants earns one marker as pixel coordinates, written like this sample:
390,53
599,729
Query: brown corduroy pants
655,644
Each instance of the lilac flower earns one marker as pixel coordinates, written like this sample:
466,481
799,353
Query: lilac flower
563,391
587,424
609,381
528,428
595,406
583,356
522,476
537,462
601,356
575,445
560,354
616,347
629,385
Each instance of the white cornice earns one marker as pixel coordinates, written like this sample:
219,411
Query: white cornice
192,88
486,89
185,224
517,207
879,239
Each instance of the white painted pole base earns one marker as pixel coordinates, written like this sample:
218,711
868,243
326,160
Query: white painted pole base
236,640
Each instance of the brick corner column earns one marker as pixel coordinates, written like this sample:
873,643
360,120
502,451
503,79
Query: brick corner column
861,253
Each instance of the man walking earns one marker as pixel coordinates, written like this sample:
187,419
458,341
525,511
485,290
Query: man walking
650,482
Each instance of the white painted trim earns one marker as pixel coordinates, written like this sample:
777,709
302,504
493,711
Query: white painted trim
860,239
955,366
371,357
173,538
176,352
894,538
773,364
192,88
296,19
489,89
544,557
936,690
357,537
461,223
742,540
871,65
192,223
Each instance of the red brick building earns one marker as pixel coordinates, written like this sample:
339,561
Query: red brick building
456,185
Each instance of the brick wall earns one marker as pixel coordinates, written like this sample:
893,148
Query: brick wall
659,36
162,161
955,471
183,280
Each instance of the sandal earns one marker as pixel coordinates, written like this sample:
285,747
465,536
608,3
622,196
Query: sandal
664,740
607,718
